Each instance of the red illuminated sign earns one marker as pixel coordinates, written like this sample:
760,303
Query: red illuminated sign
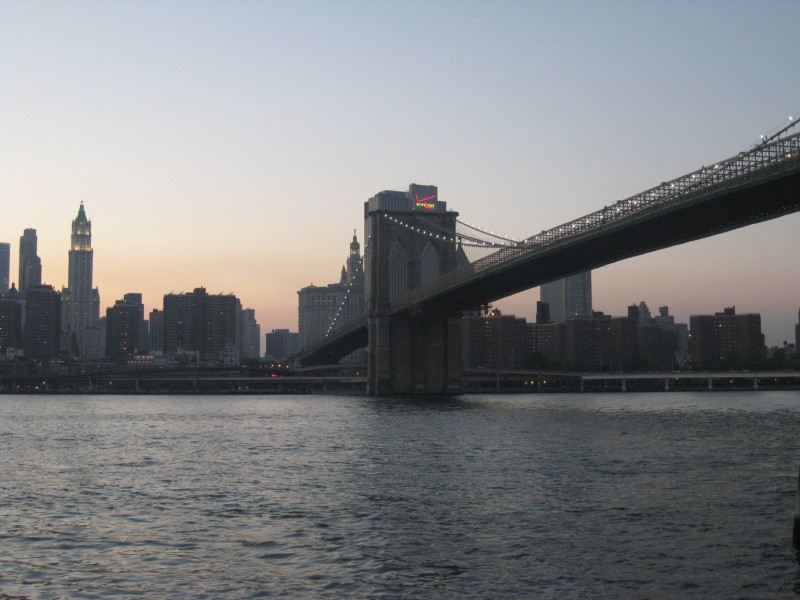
427,203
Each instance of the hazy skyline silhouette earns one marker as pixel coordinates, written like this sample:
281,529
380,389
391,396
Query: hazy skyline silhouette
232,146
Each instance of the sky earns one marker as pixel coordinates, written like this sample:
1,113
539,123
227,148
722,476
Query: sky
231,145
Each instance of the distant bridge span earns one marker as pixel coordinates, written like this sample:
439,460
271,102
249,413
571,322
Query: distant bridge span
751,187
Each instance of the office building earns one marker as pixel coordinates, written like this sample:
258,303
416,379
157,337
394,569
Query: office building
30,265
156,330
202,324
124,323
542,313
281,344
5,266
81,301
42,333
10,324
568,298
249,335
667,322
323,308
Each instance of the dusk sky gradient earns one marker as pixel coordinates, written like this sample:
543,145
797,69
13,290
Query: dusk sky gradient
232,145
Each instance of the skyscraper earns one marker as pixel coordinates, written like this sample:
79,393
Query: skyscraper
124,327
81,302
249,334
42,334
281,344
30,265
569,298
156,322
5,265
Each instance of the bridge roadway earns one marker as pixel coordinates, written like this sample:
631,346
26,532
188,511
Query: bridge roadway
477,380
137,383
751,187
474,381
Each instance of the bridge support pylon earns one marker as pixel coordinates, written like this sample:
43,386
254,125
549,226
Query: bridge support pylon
414,354
412,348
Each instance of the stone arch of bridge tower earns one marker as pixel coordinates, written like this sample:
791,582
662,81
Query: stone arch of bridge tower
398,265
429,264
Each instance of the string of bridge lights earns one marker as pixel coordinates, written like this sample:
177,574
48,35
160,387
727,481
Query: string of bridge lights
462,239
780,129
510,239
511,242
347,293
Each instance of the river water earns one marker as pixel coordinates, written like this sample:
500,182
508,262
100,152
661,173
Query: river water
668,495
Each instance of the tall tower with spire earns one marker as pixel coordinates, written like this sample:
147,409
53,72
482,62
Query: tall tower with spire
80,301
353,266
323,308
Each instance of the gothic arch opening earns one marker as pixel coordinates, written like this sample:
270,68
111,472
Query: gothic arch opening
429,265
398,270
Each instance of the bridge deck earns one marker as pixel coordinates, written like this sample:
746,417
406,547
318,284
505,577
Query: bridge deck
751,187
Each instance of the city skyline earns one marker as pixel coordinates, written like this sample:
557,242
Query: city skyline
233,147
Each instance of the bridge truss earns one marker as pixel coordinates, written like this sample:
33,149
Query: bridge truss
487,252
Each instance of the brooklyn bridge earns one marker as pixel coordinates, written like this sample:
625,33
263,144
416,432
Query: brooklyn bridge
419,279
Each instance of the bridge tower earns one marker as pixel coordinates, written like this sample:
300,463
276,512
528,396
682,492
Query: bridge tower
417,350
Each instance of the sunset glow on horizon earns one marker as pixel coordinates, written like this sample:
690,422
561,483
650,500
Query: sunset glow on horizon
232,146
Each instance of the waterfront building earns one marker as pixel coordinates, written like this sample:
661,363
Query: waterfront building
200,323
546,344
249,335
281,344
229,355
30,265
143,345
725,340
579,346
5,266
81,301
156,330
42,332
797,334
623,346
317,310
657,348
323,308
568,298
495,341
666,322
124,327
10,323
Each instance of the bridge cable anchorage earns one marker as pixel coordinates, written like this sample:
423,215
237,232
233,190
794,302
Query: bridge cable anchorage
347,292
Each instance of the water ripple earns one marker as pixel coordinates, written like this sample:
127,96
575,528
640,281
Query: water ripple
657,496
